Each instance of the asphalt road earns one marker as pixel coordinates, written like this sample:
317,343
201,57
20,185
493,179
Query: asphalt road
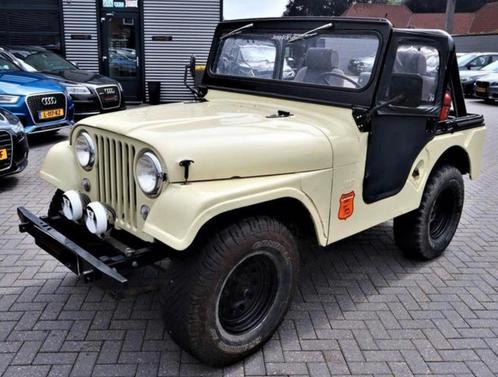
362,309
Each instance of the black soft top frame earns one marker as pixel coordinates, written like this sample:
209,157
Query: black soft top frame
345,97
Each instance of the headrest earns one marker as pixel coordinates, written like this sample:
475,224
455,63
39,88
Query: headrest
323,59
410,61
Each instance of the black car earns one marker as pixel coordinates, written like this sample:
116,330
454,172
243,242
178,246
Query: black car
13,144
469,78
487,88
92,93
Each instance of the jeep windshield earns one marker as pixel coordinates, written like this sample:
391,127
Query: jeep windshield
323,59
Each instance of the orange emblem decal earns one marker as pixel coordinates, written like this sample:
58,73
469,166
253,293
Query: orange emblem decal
346,206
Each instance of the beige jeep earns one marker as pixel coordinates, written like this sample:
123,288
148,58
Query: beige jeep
285,148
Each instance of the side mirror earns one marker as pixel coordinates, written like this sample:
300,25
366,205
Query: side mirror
406,89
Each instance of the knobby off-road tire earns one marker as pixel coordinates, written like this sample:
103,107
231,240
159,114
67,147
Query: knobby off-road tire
225,300
426,232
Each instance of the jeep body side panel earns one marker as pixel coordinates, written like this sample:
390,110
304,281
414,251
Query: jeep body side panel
368,215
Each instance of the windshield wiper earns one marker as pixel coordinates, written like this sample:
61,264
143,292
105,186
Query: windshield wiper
237,31
310,33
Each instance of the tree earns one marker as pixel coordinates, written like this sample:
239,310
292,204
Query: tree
439,6
322,7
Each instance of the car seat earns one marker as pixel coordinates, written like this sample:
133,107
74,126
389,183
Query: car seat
318,62
414,62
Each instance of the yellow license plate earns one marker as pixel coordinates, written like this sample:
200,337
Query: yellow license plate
49,114
3,154
480,90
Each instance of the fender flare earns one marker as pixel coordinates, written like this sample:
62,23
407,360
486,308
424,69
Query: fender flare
207,200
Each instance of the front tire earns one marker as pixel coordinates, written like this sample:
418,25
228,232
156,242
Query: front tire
426,232
223,302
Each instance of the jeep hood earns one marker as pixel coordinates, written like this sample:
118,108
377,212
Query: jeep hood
224,138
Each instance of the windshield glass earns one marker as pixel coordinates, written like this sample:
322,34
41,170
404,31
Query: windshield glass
45,61
493,67
325,59
465,59
7,65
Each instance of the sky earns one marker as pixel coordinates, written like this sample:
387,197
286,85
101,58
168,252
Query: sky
253,8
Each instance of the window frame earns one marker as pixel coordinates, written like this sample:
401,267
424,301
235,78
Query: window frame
344,97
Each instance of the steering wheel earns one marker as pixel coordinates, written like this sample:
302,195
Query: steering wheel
324,78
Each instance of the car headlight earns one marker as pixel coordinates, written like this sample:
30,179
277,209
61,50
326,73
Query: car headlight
5,98
85,150
149,173
18,128
78,90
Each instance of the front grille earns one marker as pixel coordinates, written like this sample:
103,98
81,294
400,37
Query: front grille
109,96
116,183
44,102
6,143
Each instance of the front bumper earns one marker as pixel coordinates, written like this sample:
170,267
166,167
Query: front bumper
85,254
490,92
30,127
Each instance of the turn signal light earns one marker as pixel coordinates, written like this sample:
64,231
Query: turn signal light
445,111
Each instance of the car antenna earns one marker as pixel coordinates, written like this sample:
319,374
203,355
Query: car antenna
310,33
237,31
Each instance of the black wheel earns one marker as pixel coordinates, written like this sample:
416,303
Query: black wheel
223,302
426,232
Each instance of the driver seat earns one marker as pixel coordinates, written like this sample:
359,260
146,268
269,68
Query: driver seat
318,62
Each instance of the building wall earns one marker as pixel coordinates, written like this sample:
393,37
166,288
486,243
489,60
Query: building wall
191,24
476,43
80,20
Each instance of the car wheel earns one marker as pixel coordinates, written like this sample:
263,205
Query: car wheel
426,232
223,302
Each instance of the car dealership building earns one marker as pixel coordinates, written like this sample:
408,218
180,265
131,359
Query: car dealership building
133,41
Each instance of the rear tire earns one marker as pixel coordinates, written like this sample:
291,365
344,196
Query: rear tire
223,302
426,232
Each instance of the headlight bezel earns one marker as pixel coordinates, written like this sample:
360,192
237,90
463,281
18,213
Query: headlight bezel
160,174
92,149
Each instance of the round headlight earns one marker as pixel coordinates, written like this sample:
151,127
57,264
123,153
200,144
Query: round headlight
149,173
85,150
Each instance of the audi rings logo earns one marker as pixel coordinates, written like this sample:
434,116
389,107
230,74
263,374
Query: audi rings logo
109,91
47,101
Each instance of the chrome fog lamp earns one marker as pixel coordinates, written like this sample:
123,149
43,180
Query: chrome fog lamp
149,173
99,219
73,205
85,150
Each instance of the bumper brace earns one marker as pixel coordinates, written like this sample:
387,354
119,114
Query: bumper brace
91,257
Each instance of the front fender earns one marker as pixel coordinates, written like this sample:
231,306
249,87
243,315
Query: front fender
60,168
181,211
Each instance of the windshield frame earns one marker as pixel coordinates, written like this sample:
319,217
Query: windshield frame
308,92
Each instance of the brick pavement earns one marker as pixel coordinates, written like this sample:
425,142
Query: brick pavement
362,308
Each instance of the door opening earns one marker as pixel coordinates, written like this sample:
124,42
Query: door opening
121,44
